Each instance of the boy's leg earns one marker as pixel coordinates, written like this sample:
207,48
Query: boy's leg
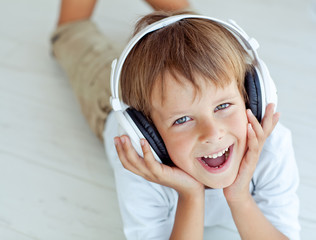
75,10
86,55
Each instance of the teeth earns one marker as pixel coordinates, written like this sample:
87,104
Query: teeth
219,154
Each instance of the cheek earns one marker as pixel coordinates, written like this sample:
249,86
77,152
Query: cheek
240,129
175,146
178,148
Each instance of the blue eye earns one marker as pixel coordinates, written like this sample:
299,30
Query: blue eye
222,106
182,120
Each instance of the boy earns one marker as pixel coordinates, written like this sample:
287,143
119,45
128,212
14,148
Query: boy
200,114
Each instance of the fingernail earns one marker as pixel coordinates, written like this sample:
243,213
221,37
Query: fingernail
272,105
122,139
116,141
249,126
249,111
142,142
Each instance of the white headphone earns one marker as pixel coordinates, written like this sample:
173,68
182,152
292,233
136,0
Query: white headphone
135,124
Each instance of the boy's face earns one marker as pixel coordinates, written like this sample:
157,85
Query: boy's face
205,133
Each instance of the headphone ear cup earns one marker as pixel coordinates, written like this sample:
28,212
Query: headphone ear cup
253,89
151,134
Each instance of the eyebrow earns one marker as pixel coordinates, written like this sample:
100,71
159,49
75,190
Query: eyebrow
174,114
225,99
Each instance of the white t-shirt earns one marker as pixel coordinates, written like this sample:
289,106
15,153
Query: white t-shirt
148,209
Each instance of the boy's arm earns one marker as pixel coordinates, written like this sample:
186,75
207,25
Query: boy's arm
251,222
189,219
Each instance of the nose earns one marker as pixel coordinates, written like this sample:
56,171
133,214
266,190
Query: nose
211,130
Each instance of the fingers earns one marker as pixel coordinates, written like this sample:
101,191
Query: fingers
270,119
249,161
257,133
146,167
256,136
127,155
252,155
150,169
268,123
256,127
253,145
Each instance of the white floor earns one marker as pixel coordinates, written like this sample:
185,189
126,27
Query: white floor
55,182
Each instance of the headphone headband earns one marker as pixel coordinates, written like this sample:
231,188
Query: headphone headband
250,45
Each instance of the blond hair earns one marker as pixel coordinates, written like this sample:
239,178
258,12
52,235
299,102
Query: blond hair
190,47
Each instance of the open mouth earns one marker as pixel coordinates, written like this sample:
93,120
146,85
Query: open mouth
217,160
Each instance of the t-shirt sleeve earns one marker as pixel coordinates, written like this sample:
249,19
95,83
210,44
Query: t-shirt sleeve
276,181
146,208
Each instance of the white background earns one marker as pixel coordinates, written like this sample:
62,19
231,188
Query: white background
55,181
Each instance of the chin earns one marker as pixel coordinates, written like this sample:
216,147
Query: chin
219,184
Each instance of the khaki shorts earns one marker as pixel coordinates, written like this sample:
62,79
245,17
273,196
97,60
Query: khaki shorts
86,55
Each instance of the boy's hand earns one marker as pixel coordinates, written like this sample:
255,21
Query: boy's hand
256,136
189,217
150,169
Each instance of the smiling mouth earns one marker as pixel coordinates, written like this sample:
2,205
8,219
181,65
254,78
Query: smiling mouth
217,160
